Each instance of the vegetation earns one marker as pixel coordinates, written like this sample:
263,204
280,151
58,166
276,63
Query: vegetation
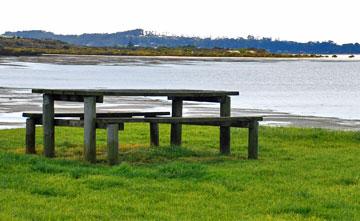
146,39
21,46
13,46
302,174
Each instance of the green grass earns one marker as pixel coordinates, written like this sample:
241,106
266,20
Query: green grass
302,174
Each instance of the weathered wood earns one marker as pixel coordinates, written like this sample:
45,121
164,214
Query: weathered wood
131,114
225,111
90,129
68,123
154,134
238,124
137,92
253,140
102,125
101,115
48,125
75,98
30,136
113,143
227,122
216,121
198,99
74,123
176,128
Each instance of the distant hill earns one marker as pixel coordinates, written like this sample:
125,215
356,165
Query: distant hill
139,37
18,42
16,46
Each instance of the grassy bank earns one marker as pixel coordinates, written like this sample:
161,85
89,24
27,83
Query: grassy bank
302,174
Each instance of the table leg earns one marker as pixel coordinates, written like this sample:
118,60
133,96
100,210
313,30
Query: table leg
154,134
253,140
48,125
113,143
176,129
30,136
225,111
90,129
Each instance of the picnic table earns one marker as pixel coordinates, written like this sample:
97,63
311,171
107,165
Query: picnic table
92,96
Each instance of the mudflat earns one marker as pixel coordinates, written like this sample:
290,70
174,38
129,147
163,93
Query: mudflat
14,101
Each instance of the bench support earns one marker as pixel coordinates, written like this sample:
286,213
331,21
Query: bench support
30,136
225,111
177,107
154,134
253,140
90,129
113,143
48,122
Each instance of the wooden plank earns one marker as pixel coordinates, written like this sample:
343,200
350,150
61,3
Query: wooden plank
102,125
253,140
102,122
90,129
217,124
241,124
154,134
198,99
113,143
30,136
181,120
176,128
75,98
110,114
48,122
69,123
137,92
131,114
225,111
80,123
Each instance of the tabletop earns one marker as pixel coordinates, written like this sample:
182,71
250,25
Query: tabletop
137,92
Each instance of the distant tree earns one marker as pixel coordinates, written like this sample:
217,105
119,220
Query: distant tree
190,46
250,37
130,44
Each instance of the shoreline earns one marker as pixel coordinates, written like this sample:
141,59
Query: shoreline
68,59
14,101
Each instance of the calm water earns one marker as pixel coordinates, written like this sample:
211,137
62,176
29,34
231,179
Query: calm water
305,87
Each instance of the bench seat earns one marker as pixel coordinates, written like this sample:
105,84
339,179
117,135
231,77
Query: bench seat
211,121
251,123
34,119
100,115
114,122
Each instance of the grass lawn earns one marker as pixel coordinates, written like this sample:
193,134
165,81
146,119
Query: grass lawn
301,174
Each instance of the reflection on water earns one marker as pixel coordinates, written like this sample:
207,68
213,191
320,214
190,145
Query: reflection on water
307,87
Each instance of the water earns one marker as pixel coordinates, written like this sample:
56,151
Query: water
306,87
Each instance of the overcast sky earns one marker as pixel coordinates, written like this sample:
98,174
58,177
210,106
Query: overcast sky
300,20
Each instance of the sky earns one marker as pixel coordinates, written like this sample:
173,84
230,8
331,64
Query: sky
297,20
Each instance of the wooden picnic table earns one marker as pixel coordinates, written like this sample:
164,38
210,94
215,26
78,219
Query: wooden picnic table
92,96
